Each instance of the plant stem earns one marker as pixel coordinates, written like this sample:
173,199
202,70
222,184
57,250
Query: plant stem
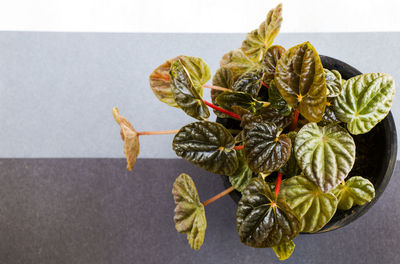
263,83
216,197
295,119
278,184
222,110
239,147
213,87
161,132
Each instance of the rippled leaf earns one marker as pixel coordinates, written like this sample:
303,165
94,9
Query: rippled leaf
277,101
242,176
262,220
357,190
284,250
185,94
291,168
130,138
329,115
208,145
325,154
300,79
190,217
198,70
333,81
271,58
229,99
250,82
364,101
259,40
265,148
238,63
314,207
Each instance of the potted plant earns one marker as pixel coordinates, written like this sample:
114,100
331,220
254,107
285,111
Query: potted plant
292,137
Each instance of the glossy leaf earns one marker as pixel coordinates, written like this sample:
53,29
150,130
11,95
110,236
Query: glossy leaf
265,149
261,220
259,40
242,176
223,77
364,101
333,81
190,217
314,207
208,145
271,58
160,79
185,94
277,101
228,99
238,63
325,154
329,115
291,168
130,138
250,82
357,190
300,79
284,250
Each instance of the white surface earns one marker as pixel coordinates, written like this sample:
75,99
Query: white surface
197,15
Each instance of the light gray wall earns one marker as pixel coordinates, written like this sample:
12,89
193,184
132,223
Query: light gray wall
57,90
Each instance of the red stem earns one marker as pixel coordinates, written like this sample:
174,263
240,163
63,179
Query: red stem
263,83
239,147
222,110
278,184
295,119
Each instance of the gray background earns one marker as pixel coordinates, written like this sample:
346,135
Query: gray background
57,90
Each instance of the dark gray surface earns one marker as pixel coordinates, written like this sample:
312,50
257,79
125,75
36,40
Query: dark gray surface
57,90
94,211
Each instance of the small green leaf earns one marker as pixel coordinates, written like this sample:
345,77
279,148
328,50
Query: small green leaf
325,154
228,99
329,115
314,207
198,70
238,63
277,101
265,149
285,250
300,79
250,82
261,220
259,40
190,217
208,145
357,190
185,94
223,77
333,81
271,58
130,138
291,168
242,176
364,101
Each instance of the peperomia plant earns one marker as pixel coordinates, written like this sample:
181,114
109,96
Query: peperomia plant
295,120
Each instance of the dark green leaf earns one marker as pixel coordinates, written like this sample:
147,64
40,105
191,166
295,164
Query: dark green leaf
271,58
259,40
364,101
284,250
228,99
185,94
262,221
190,217
277,101
208,145
314,207
250,82
333,81
325,154
357,190
222,78
300,79
291,168
329,115
242,176
270,114
238,63
265,149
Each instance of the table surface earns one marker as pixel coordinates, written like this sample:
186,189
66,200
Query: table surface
94,211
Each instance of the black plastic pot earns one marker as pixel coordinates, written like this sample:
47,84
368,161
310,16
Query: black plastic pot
375,158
